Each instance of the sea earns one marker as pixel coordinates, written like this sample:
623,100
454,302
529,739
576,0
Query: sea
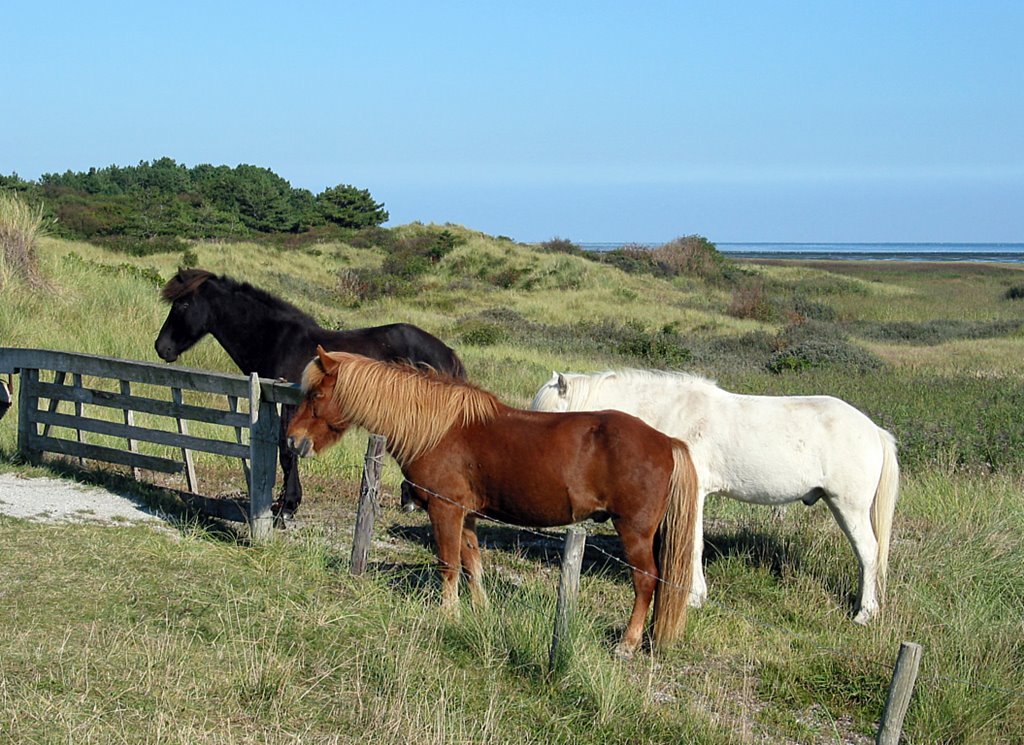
1011,253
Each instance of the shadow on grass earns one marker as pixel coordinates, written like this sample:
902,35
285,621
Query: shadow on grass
603,552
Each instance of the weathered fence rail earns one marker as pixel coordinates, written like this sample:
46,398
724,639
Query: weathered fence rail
106,385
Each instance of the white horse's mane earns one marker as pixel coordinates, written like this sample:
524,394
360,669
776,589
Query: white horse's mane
582,387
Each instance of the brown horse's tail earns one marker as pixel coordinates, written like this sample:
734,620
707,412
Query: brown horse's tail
675,556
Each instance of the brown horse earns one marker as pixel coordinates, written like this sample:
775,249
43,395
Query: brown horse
467,455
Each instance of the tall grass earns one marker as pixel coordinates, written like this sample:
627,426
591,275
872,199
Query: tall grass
129,636
21,226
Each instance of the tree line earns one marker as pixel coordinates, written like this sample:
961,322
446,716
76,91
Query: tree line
165,199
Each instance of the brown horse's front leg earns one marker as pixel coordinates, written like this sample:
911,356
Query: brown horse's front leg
639,551
471,563
447,522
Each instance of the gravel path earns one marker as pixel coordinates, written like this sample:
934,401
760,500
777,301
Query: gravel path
56,500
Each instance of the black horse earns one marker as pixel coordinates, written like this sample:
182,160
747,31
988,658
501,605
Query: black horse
266,335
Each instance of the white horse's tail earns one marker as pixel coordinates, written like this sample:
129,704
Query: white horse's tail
884,505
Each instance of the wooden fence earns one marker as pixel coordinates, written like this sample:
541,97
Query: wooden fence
105,384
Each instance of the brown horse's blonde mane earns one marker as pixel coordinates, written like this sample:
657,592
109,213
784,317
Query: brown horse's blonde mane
413,408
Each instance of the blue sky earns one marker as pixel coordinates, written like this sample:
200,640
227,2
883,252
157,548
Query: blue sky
594,121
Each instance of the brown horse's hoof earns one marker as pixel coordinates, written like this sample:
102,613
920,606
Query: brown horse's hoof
624,651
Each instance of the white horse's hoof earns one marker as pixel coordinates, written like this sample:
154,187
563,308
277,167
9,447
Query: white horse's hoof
864,617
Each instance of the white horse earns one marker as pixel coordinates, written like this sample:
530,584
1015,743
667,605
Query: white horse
761,449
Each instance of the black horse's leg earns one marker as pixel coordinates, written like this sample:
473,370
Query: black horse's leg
409,503
291,490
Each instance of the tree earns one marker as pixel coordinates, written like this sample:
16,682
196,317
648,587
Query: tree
350,207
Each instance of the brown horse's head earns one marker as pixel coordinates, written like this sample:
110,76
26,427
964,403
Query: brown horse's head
318,422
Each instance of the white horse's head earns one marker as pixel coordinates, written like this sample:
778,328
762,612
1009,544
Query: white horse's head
552,396
570,391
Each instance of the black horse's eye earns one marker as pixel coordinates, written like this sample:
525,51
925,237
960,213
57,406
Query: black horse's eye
183,306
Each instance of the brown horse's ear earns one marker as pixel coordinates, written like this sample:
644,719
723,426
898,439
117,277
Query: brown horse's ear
562,386
326,362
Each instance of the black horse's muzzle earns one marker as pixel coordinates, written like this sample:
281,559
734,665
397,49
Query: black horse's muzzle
301,446
165,351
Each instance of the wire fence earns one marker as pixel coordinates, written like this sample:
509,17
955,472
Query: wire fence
885,666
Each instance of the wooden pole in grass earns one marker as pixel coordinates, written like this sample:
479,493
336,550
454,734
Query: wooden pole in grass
366,514
568,589
903,676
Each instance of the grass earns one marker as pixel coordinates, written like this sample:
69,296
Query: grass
124,634
21,226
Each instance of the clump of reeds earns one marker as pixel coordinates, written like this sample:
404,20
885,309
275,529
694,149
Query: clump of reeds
21,226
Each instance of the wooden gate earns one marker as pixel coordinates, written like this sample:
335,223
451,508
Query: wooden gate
105,385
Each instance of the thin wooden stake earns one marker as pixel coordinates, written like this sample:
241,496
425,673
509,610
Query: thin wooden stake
129,419
59,377
186,454
233,408
903,676
369,500
568,589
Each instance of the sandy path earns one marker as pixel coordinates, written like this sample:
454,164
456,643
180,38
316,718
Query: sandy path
58,500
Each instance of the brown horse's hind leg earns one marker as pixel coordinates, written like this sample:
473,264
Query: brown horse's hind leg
638,546
447,520
472,566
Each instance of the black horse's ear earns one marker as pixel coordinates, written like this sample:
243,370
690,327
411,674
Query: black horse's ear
562,386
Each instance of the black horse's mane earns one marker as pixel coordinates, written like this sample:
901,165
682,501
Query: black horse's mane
188,281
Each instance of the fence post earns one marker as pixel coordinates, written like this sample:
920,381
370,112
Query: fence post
900,690
28,405
568,589
366,514
263,441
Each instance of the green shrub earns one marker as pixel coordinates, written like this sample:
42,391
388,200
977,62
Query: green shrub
801,346
145,273
632,259
813,310
1016,292
693,255
689,256
751,301
189,259
662,347
561,246
407,258
132,246
373,237
480,333
935,331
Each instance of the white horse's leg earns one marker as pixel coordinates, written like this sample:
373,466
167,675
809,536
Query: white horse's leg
699,588
854,517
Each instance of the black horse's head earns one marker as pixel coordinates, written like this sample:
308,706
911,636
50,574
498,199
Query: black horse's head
189,318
